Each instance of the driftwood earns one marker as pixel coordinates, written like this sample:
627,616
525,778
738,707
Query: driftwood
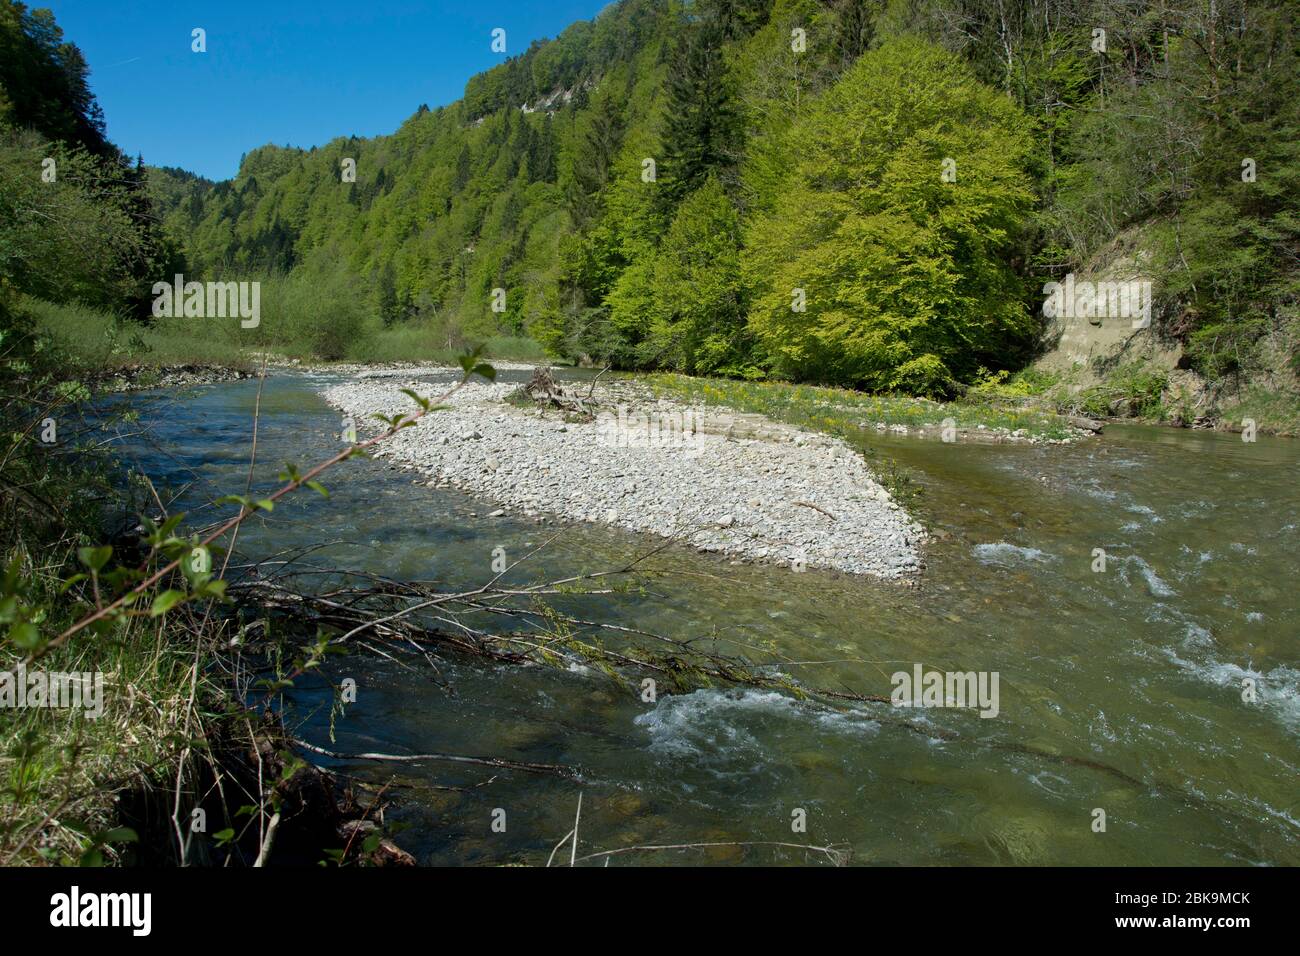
545,391
500,763
419,621
809,504
414,620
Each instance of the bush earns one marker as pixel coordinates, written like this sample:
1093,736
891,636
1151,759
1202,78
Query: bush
319,310
1131,390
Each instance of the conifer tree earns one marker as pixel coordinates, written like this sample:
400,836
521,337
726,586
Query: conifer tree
702,129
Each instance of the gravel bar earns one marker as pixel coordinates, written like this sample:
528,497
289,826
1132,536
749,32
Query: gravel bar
769,493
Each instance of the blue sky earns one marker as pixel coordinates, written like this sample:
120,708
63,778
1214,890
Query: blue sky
299,73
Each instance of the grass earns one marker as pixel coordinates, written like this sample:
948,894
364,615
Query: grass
1147,392
93,339
408,343
846,413
98,340
63,769
67,778
1133,390
1272,411
850,415
171,688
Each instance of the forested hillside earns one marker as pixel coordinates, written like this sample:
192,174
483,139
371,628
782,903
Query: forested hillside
860,192
76,223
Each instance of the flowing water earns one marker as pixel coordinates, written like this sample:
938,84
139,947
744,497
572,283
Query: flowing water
1120,690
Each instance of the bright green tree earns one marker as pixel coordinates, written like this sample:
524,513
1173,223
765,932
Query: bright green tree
884,263
691,295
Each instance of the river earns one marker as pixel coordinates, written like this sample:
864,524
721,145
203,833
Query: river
1120,690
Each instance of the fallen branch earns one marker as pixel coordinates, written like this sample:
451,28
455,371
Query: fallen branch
400,615
544,390
837,855
809,504
500,763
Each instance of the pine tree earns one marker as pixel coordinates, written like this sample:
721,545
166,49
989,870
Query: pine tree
702,129
462,168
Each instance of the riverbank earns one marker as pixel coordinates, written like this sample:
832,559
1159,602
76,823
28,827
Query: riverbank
847,413
137,378
124,740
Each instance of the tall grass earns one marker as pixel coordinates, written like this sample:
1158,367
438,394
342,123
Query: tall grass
95,339
64,769
417,342
61,770
301,318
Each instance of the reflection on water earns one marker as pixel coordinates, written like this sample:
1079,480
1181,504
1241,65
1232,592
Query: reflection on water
1120,689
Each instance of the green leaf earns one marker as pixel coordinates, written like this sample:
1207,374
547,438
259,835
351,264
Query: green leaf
317,487
416,397
25,636
71,581
470,359
170,525
121,835
95,558
217,587
485,370
13,574
165,602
